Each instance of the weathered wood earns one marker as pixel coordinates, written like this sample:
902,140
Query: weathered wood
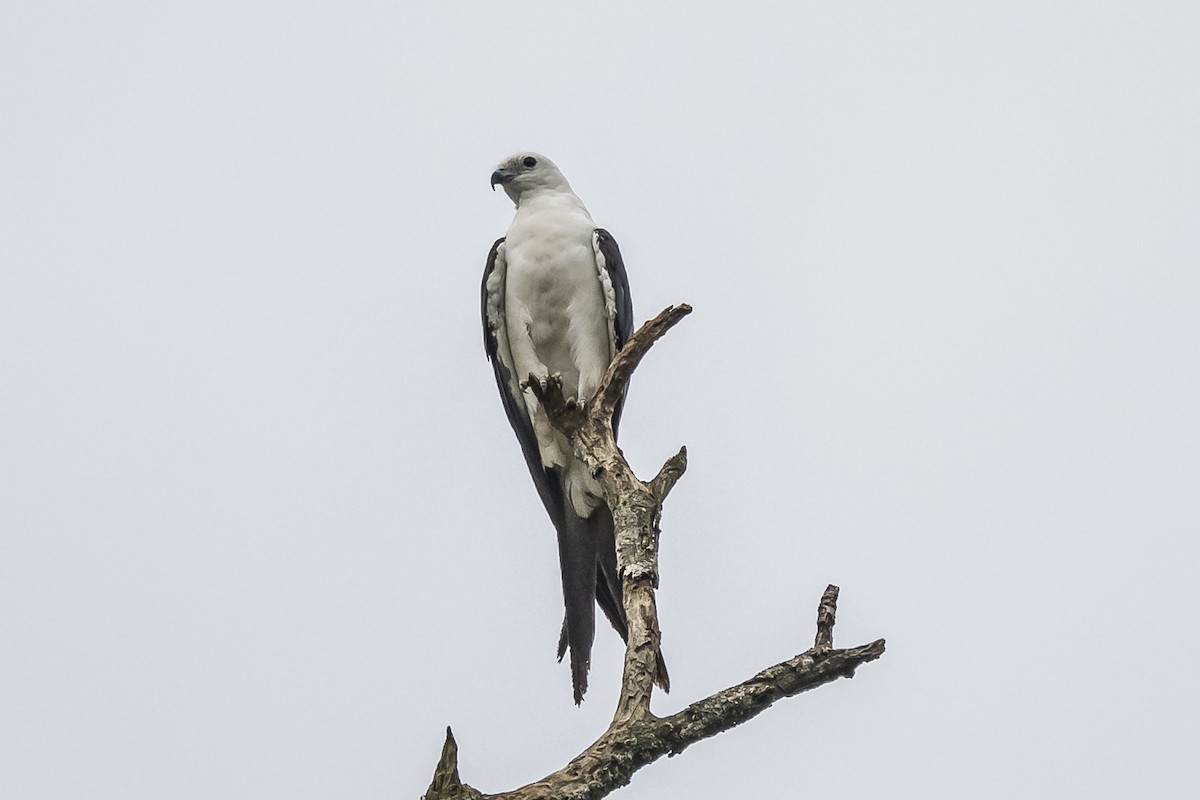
445,782
636,737
826,613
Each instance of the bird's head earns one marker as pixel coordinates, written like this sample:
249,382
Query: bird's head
528,172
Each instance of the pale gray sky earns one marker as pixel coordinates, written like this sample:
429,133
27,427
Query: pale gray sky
264,530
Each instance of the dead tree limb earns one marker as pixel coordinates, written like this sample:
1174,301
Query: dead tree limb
636,737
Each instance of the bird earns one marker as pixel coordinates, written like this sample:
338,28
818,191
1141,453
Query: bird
555,302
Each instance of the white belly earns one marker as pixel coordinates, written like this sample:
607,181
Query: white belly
557,324
554,304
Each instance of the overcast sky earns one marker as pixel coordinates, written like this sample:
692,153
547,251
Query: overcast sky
265,532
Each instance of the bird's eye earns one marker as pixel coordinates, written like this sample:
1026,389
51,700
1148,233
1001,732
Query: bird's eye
529,161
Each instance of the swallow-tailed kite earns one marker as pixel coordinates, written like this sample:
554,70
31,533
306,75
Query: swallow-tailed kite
556,302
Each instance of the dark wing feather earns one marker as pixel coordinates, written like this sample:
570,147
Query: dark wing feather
620,281
615,266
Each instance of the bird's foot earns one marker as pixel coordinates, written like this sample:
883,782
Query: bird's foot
539,383
566,413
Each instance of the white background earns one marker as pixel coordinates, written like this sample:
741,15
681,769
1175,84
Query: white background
264,531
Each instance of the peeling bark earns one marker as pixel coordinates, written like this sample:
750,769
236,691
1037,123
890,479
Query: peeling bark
636,737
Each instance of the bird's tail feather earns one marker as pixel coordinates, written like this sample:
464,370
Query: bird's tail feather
577,552
662,678
609,594
608,583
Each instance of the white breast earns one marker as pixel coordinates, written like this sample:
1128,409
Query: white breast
554,295
557,318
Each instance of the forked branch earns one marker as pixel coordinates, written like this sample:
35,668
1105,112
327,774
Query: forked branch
636,737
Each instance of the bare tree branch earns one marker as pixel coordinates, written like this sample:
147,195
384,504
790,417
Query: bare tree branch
636,737
671,472
612,388
445,775
826,613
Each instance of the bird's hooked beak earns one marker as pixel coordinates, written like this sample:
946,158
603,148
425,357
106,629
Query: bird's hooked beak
501,177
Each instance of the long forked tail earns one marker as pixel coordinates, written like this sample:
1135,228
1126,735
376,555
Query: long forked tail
662,679
577,553
582,540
